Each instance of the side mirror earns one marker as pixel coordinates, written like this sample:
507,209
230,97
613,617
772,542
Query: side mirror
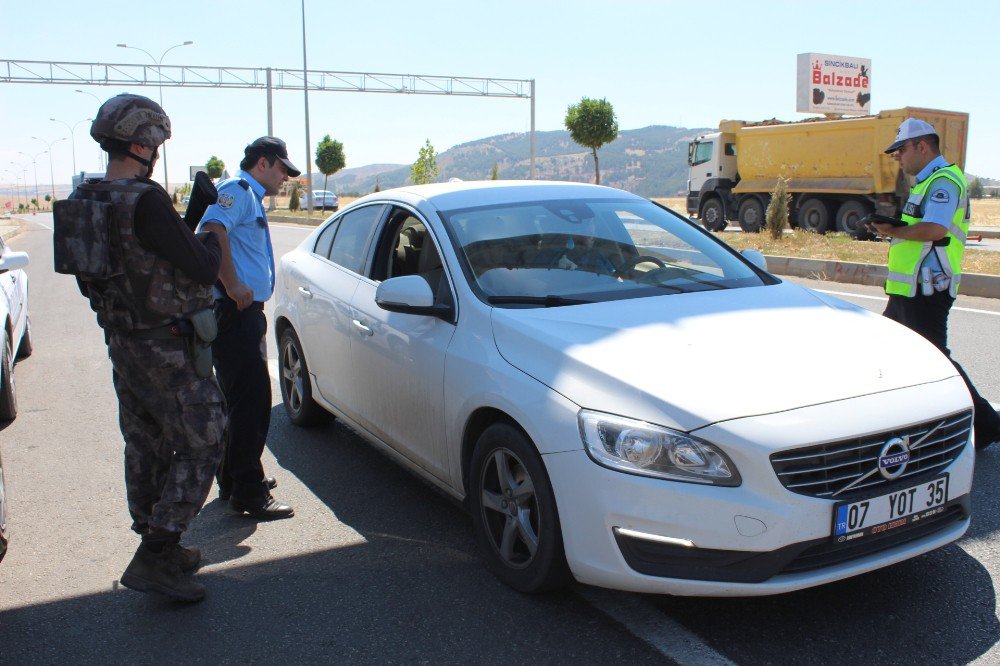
10,261
409,294
755,258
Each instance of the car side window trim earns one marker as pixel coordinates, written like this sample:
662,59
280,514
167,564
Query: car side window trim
365,248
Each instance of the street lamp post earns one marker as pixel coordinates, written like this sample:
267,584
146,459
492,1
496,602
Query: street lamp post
17,178
34,166
159,76
52,176
100,151
72,134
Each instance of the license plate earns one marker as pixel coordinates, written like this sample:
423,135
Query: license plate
877,515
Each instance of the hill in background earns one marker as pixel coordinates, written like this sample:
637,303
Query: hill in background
651,161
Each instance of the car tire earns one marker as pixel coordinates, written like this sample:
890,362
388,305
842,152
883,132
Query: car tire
751,215
814,216
713,216
851,219
514,512
24,349
8,395
296,389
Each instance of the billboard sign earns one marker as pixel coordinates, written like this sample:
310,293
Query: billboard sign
833,84
192,170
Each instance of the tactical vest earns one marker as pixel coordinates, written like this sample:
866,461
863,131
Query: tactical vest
129,287
906,256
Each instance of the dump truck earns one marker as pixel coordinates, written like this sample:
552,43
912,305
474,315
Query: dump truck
836,170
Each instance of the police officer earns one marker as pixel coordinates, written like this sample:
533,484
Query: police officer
925,256
246,281
147,277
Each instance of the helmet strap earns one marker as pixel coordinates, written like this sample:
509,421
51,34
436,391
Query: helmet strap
146,163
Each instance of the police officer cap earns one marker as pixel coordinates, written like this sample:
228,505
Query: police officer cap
911,128
132,119
271,145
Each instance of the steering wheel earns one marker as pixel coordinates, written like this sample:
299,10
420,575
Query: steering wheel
630,264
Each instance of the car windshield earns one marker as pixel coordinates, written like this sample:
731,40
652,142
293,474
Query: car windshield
567,252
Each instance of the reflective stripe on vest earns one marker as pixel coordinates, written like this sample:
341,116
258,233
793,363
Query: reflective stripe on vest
906,256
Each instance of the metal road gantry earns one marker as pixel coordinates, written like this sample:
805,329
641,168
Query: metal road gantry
266,78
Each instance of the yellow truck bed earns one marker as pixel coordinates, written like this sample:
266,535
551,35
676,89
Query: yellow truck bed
838,155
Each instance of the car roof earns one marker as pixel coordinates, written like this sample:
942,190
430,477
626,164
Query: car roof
464,194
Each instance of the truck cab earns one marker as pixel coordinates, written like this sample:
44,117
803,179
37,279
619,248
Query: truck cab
711,175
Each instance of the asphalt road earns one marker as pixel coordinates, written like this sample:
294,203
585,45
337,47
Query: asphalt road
376,566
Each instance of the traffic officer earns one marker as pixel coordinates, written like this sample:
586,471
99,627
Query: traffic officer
246,282
925,256
149,279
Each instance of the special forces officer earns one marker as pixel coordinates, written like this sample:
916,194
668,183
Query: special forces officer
246,282
149,279
925,257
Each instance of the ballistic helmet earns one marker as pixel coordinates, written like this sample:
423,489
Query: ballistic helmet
131,119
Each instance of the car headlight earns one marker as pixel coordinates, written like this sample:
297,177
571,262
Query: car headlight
642,448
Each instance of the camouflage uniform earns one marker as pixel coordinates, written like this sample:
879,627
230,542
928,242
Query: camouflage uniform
172,419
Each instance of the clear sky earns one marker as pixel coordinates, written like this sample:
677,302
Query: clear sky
658,62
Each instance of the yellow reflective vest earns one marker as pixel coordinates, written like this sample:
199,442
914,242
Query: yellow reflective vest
906,256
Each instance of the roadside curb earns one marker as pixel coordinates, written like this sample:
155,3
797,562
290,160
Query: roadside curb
11,228
973,284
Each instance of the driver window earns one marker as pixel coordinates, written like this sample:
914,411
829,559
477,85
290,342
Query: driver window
410,250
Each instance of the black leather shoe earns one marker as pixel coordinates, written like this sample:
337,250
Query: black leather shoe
225,492
268,509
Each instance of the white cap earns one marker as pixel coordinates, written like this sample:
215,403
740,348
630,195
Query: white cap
911,128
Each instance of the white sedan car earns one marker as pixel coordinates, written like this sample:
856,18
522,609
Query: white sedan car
15,336
618,396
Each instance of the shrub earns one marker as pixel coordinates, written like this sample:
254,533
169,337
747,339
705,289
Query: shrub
776,217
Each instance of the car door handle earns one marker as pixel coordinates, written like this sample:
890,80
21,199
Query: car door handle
305,292
365,330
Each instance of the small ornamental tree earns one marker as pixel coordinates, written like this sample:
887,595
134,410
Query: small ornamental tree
425,169
214,166
329,158
592,123
976,189
776,216
378,187
495,174
293,201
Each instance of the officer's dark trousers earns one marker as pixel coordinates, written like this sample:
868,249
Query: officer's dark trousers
928,316
240,358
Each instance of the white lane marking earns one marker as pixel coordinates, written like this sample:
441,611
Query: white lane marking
883,298
654,627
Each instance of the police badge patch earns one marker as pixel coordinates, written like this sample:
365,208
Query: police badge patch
940,196
225,200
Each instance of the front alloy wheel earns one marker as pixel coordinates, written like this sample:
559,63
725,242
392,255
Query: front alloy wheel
296,391
514,512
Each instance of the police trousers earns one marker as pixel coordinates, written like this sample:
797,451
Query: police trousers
240,357
173,422
928,316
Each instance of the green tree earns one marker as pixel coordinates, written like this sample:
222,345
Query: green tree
293,201
776,217
214,166
495,174
48,197
976,189
592,123
329,157
425,169
378,186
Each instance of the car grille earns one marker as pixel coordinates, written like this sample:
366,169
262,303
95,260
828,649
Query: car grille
833,470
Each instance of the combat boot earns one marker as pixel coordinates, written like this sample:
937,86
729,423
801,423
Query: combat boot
158,572
188,559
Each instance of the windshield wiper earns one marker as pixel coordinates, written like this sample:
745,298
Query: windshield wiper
548,301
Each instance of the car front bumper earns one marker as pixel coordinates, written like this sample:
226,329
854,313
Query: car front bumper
652,535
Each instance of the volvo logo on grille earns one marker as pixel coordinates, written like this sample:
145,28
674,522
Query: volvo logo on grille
894,457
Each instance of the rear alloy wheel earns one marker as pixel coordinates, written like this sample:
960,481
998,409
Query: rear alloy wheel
24,349
814,216
8,397
751,215
514,512
296,389
712,215
851,219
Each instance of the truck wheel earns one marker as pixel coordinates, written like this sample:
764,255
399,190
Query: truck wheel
712,216
751,215
814,216
850,219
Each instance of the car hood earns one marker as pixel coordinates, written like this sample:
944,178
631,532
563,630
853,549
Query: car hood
689,360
